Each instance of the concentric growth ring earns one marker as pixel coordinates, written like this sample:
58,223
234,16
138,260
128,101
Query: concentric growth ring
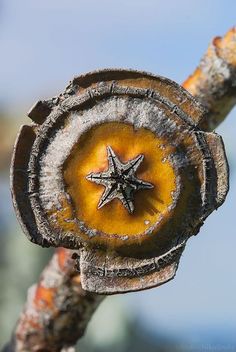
118,166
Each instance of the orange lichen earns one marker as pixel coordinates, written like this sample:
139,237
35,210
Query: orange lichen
44,297
210,82
193,81
226,46
62,256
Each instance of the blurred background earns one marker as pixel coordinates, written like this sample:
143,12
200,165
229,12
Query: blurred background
43,44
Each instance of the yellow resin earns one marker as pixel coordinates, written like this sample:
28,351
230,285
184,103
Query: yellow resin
90,155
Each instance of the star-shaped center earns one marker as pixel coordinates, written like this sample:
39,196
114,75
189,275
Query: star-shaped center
119,180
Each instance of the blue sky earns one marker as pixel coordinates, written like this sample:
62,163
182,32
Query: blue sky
45,43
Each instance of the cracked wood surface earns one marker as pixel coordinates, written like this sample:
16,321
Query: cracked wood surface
217,93
159,120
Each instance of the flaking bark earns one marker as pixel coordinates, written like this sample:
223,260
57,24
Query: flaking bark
213,82
57,309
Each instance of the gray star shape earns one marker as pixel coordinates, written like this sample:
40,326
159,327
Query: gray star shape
119,180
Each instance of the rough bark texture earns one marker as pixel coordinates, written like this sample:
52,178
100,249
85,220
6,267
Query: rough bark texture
54,199
214,80
57,309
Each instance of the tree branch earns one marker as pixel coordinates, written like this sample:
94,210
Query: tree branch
58,310
214,80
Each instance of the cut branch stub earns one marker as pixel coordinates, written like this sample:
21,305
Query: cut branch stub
118,167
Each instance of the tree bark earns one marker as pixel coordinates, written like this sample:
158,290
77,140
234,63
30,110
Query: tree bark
213,82
58,310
